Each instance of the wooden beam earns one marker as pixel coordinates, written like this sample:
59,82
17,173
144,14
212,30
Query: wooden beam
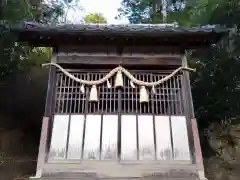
114,59
157,50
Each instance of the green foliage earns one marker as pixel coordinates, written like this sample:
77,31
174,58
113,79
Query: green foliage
217,74
65,7
137,11
216,81
95,18
147,11
15,56
18,59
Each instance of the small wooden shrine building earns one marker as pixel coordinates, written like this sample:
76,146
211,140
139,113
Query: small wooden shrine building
119,102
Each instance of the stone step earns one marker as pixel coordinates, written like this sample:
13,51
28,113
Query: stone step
173,175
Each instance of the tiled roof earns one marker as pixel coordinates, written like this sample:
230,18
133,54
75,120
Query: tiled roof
129,34
151,29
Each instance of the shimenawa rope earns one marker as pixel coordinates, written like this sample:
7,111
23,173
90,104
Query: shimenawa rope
124,71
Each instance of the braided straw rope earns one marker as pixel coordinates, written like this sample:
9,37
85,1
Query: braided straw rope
124,71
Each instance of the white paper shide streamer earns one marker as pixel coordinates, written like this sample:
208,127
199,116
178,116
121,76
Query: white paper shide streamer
108,84
82,89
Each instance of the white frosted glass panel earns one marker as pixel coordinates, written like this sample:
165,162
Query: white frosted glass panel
128,137
75,137
145,134
59,137
92,137
109,137
180,138
163,137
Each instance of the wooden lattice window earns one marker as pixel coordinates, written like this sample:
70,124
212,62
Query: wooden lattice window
166,100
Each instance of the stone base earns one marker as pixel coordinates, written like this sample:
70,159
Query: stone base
98,170
171,175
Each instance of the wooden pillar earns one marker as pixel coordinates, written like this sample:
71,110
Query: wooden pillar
49,105
188,89
198,154
42,147
193,133
46,123
186,97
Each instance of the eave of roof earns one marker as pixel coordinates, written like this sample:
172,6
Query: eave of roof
102,33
